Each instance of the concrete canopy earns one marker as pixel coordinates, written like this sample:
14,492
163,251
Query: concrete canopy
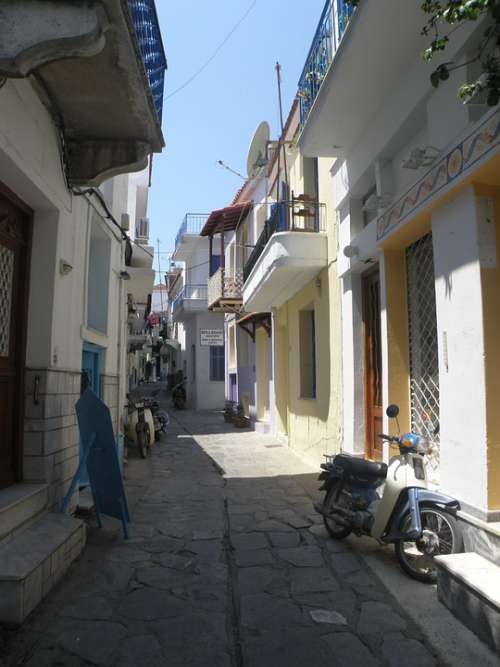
85,62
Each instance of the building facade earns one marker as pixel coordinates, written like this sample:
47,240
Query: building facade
63,251
200,333
414,175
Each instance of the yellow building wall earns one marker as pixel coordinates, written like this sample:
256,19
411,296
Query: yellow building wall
490,281
313,425
262,373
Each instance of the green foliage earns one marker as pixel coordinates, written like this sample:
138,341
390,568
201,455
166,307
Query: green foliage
443,17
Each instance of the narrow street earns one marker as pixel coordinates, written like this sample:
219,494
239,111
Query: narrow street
227,565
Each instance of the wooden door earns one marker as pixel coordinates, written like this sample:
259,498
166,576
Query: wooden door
15,225
373,363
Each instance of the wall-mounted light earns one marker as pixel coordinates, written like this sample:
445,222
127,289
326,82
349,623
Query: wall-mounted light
421,157
64,267
351,251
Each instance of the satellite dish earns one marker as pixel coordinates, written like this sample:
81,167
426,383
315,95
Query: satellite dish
257,153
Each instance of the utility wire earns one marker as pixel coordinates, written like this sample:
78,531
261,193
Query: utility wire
214,54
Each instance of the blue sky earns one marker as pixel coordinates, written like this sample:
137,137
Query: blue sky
215,116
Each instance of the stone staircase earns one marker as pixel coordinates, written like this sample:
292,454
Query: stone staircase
36,549
469,583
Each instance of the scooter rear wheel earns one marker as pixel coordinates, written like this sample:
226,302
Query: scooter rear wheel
143,442
335,496
438,526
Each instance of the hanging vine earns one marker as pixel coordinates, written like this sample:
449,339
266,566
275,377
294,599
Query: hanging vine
442,18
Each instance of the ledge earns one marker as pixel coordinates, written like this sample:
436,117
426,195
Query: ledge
288,263
86,65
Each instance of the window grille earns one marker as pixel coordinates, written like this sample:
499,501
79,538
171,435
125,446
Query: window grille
424,360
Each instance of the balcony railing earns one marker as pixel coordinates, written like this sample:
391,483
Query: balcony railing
190,293
225,284
147,30
300,215
331,28
192,224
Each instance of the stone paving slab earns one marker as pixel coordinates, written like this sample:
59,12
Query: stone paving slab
227,565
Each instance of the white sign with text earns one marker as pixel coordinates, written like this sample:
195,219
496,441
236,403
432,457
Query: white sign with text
212,337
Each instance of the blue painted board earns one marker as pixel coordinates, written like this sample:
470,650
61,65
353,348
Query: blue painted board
101,458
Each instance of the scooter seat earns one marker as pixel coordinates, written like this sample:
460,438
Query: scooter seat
360,467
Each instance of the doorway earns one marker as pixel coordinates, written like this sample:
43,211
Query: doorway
373,363
15,235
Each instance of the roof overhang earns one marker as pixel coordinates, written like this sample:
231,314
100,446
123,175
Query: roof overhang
226,219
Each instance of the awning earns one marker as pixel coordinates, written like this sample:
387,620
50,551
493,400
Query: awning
251,321
227,218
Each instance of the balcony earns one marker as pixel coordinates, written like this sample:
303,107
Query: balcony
291,250
189,232
225,290
100,69
330,30
191,299
346,80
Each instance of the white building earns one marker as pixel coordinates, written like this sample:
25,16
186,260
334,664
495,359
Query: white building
415,174
200,333
70,119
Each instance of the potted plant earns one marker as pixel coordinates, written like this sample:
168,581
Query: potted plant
240,419
228,413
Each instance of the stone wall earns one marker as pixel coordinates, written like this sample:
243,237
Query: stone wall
51,438
109,394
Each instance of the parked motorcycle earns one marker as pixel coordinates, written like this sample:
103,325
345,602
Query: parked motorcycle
420,522
160,417
179,395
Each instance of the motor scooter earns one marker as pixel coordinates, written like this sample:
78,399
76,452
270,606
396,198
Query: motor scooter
392,503
140,426
179,395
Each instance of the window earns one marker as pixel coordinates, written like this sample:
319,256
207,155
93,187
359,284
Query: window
214,264
217,363
307,349
231,361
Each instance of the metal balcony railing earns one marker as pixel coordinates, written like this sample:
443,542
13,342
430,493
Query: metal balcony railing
147,30
192,224
299,215
331,28
225,284
191,293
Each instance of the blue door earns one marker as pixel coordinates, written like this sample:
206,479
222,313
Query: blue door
91,372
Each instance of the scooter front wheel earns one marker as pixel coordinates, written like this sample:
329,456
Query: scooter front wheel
441,535
335,496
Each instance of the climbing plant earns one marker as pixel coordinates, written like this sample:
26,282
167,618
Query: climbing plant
442,18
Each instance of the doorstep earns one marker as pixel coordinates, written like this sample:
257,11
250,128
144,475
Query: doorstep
469,585
34,560
19,504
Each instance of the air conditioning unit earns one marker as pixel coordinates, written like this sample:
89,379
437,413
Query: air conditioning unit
142,230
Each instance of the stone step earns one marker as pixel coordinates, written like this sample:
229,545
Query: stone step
34,560
19,504
469,585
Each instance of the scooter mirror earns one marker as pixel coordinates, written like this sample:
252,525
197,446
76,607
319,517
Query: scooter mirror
392,411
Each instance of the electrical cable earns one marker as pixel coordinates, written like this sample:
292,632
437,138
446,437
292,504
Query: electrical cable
214,54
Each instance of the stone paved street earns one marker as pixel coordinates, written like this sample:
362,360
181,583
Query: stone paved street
228,565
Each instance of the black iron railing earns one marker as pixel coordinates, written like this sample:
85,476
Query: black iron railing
330,30
147,30
302,214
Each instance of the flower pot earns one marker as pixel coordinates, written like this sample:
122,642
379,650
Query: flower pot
241,422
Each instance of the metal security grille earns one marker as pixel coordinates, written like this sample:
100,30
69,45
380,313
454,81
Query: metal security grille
148,33
424,363
6,284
